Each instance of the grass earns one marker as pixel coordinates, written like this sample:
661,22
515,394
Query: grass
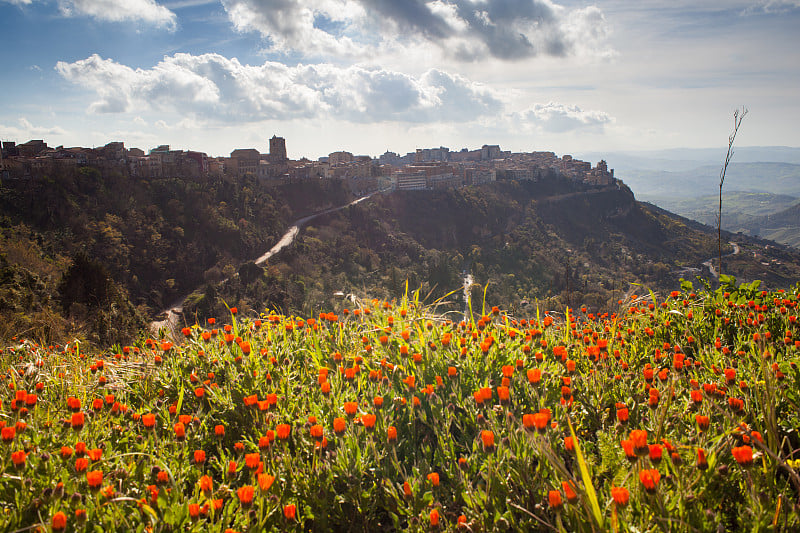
389,417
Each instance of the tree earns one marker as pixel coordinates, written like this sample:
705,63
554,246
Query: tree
738,116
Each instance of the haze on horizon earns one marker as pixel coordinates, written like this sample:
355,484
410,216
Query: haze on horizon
371,75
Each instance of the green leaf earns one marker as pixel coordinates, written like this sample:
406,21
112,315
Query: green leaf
586,477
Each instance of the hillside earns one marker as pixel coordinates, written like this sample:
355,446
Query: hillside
553,241
782,226
141,243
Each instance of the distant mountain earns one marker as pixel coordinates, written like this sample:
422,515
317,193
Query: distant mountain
678,159
783,226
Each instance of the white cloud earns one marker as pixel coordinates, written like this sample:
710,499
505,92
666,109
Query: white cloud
26,130
214,88
467,30
559,118
115,10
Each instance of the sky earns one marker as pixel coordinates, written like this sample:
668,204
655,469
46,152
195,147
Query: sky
367,76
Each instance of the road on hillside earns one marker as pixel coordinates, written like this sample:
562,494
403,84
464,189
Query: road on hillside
172,315
710,263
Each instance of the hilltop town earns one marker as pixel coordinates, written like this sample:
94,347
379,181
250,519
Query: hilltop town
424,169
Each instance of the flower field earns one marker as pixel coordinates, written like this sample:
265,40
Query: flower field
678,413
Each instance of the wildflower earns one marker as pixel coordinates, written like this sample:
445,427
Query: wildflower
316,432
219,430
149,420
59,521
702,422
554,499
282,431
434,518
391,434
368,421
245,495
339,425
487,438
743,455
77,421
702,462
534,376
199,456
649,479
251,460
639,439
622,415
350,408
627,447
656,453
569,491
407,489
180,431
94,478
81,464
8,434
265,482
18,458
194,511
620,496
290,511
206,484
433,477
540,421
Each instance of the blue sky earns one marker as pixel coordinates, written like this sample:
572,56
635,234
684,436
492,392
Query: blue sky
371,75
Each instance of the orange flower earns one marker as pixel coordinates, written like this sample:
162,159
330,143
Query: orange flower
702,462
290,511
639,439
434,518
620,496
554,499
59,521
487,437
18,458
369,421
94,478
407,489
569,444
656,453
194,510
245,495
622,414
81,464
534,376
743,455
316,432
180,430
8,434
540,420
265,481
627,447
251,460
219,430
649,479
433,477
339,425
206,484
391,434
350,408
702,422
282,431
199,456
569,491
149,420
77,421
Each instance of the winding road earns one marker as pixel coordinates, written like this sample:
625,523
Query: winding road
173,314
710,263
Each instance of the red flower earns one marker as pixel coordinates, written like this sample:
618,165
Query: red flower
8,434
339,425
282,431
290,511
316,432
649,479
265,481
433,477
620,496
251,460
199,456
81,464
434,518
18,458
743,455
350,408
554,499
77,421
702,462
206,484
59,521
368,420
94,478
569,491
180,431
639,439
569,444
487,438
219,430
149,420
245,495
391,434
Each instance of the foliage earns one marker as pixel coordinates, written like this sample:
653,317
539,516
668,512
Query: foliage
390,417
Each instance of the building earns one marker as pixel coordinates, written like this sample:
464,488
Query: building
244,161
277,150
339,158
